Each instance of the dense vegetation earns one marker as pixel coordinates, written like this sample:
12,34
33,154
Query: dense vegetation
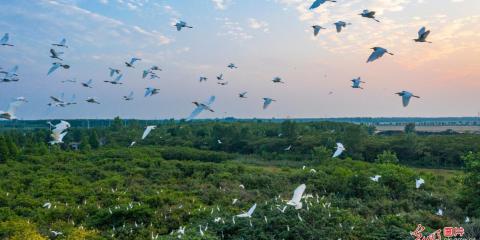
181,175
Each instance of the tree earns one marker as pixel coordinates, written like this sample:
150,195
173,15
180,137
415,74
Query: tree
116,124
471,193
4,153
387,157
321,153
93,139
12,147
85,144
410,128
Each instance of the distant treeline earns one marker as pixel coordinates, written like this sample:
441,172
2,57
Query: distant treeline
309,141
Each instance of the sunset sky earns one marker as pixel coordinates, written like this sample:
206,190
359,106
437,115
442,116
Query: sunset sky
264,38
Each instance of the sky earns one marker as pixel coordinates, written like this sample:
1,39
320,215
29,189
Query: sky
264,38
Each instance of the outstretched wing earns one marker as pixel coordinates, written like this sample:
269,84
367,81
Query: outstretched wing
316,30
209,101
421,32
406,99
298,193
63,42
375,55
316,4
4,39
130,95
252,209
147,131
339,150
12,107
266,102
53,68
195,113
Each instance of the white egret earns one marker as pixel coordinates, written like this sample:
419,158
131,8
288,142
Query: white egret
377,53
62,43
406,96
87,84
116,81
242,95
422,35
151,91
202,106
232,66
267,102
55,66
54,54
339,151
181,24
375,178
132,61
317,3
92,100
297,197
12,108
340,24
419,182
203,79
356,83
113,71
316,29
147,131
220,77
368,14
277,80
129,97
249,213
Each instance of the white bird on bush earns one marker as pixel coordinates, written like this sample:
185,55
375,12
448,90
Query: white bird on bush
47,205
249,213
147,131
297,197
419,182
339,151
234,201
55,233
440,212
375,178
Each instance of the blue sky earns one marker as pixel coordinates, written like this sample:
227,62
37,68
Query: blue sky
263,38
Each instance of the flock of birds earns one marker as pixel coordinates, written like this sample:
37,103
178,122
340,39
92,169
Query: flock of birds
61,129
116,74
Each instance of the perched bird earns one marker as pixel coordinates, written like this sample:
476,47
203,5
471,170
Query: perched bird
181,24
220,77
288,148
317,3
132,61
440,212
151,91
4,40
356,83
232,66
147,131
419,182
202,106
316,29
297,197
249,213
58,132
339,151
277,80
56,234
377,53
375,178
87,84
340,24
368,14
55,66
422,35
12,108
406,96
92,100
62,43
203,79
113,71
242,95
116,81
54,54
267,102
129,97
47,205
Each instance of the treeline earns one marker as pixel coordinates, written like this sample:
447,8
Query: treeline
270,141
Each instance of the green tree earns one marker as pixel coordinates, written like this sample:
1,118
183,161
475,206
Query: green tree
321,153
93,139
410,128
117,124
471,193
4,153
85,144
387,157
12,147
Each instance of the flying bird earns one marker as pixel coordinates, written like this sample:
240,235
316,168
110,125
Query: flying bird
155,68
316,29
132,61
419,182
69,81
113,71
422,35
203,79
151,91
341,24
4,40
356,83
87,84
12,108
55,66
147,131
10,75
317,3
181,24
406,96
232,66
220,77
92,100
249,213
297,197
62,43
145,73
222,83
377,53
129,97
58,132
200,107
54,54
277,80
116,81
242,95
267,102
339,151
368,14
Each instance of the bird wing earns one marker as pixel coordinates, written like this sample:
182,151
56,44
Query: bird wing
195,112
12,107
54,54
339,27
53,68
406,99
148,91
375,55
266,102
209,101
55,99
130,95
179,27
12,72
252,209
63,42
119,77
316,30
145,73
4,39
297,194
316,4
147,131
425,34
112,71
339,150
421,32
